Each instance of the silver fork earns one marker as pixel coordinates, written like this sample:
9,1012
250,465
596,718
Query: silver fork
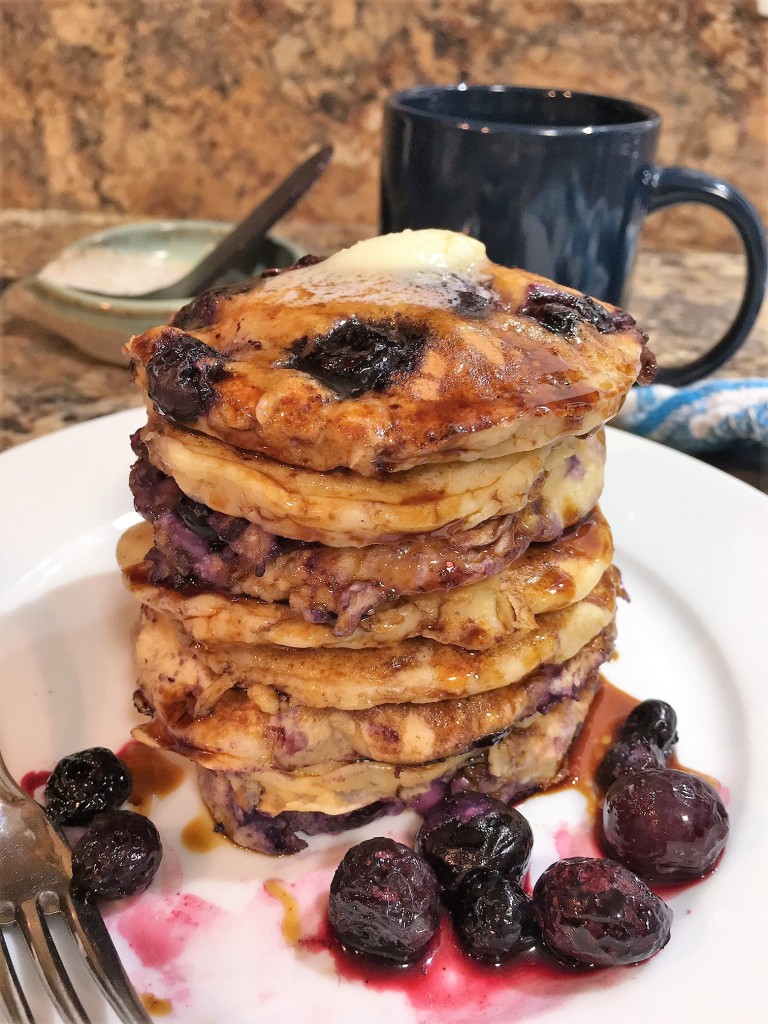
35,881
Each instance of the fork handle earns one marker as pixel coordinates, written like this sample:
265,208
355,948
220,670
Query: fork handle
9,788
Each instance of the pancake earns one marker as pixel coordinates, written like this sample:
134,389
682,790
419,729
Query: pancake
531,757
194,546
396,353
240,731
417,670
340,508
478,616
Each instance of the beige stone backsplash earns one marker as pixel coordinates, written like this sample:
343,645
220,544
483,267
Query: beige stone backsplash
195,107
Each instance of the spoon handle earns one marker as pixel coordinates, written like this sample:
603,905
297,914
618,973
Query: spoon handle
250,231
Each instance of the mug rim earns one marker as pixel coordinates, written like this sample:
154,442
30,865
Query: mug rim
400,101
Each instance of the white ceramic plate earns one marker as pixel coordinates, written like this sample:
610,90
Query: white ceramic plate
691,543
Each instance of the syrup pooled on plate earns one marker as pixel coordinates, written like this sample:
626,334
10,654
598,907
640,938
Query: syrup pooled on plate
153,774
199,835
609,708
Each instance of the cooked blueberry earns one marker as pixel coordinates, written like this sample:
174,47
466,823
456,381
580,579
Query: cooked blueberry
561,312
195,515
629,755
665,824
472,830
360,355
622,320
181,375
117,855
384,902
202,311
189,532
84,784
648,367
493,916
596,913
472,304
557,318
306,261
654,721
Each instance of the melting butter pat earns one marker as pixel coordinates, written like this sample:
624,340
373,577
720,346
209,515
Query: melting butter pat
427,249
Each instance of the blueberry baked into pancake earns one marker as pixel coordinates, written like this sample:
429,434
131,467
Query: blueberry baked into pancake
372,567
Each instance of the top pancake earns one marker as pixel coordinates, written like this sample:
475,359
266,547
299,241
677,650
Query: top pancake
398,352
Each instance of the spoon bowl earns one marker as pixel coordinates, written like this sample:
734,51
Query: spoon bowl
98,324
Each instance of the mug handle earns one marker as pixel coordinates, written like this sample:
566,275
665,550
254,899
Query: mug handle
671,185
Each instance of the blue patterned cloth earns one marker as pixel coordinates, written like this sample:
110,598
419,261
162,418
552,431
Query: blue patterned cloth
705,417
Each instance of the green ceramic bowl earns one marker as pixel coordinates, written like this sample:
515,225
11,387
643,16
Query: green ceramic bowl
100,325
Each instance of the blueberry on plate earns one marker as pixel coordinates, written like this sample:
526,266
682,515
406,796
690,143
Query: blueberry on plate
654,721
665,824
596,913
634,754
117,855
85,784
384,902
493,917
472,830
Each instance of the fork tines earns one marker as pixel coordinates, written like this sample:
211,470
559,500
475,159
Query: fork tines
36,883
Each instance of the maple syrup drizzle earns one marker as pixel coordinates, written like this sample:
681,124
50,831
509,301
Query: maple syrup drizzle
199,835
609,709
291,926
153,774
155,1006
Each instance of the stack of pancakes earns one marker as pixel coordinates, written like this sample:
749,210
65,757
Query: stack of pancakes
373,567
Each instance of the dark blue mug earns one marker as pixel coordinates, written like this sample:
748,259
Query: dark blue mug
555,181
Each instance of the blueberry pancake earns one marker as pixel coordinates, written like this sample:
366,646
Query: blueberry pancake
478,616
340,508
243,730
529,758
338,788
411,671
402,351
195,547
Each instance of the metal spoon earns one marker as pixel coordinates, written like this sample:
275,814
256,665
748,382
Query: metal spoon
244,239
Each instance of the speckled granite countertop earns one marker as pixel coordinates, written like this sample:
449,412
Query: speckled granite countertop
683,299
